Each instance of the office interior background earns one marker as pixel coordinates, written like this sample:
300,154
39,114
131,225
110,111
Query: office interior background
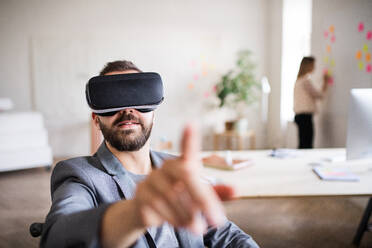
50,49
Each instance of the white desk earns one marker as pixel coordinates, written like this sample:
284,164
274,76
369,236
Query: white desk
291,177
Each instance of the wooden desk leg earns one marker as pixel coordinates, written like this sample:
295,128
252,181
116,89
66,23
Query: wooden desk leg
240,142
252,141
229,142
363,226
216,142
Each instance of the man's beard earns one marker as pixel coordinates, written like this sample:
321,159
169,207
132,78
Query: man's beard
123,140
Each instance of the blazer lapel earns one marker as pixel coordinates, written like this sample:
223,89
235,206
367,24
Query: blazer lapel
113,167
127,186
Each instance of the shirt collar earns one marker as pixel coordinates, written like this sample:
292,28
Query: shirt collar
114,167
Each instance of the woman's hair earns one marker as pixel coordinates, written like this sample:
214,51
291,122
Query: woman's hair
306,66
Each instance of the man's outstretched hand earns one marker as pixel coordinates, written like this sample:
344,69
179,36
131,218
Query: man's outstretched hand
175,193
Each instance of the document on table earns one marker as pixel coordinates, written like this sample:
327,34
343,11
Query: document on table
335,174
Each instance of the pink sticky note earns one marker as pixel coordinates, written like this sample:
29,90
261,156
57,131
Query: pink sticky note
333,38
361,27
369,68
369,35
325,71
326,34
196,77
331,80
215,88
206,94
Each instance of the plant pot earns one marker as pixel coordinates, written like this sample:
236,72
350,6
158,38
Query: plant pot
229,125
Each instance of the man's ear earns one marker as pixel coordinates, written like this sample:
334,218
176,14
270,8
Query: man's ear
95,120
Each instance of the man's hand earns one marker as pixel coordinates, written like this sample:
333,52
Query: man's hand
175,193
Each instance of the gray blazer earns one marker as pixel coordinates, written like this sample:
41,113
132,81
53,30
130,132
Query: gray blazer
83,188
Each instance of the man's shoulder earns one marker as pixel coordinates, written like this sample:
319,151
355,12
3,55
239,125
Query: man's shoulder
82,169
79,161
79,164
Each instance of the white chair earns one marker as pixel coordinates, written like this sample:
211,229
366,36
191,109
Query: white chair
23,141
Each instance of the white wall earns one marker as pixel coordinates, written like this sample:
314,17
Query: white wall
345,15
274,57
51,48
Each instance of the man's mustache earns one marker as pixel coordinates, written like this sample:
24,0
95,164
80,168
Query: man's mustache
126,117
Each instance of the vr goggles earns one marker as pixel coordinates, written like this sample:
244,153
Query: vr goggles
106,95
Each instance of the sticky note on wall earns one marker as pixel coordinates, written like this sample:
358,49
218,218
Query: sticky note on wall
358,55
328,48
369,68
332,29
361,65
369,35
333,63
365,48
361,27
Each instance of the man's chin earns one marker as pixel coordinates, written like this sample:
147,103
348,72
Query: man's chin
130,136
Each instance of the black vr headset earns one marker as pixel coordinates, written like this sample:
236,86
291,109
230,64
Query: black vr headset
106,95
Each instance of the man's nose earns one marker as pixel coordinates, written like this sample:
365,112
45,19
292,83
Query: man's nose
127,111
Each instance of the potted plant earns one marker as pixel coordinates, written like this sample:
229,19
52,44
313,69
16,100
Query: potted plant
238,89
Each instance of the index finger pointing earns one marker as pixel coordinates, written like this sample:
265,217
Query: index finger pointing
190,145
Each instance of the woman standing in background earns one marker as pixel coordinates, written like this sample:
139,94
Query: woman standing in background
305,96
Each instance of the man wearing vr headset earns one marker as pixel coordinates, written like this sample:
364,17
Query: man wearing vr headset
127,195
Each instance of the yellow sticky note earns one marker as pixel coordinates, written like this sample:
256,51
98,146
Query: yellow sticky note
361,65
332,29
358,55
368,57
365,48
325,59
333,62
330,72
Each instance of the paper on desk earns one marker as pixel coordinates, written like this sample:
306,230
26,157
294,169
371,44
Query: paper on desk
335,173
336,158
285,153
226,163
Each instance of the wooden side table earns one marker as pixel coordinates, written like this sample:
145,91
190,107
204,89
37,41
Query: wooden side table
229,136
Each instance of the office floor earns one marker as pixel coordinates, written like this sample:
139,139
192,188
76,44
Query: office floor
310,222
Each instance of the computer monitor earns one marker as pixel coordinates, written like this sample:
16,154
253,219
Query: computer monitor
359,130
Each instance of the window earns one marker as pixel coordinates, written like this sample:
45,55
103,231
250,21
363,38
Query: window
296,44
